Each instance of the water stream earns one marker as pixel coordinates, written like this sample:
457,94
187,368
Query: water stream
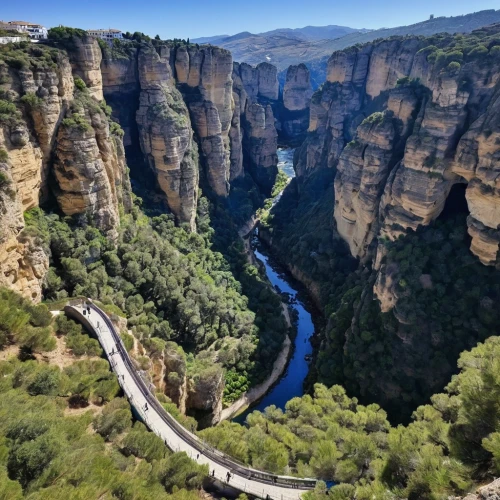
291,383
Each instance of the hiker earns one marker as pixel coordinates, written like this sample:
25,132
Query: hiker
213,473
197,456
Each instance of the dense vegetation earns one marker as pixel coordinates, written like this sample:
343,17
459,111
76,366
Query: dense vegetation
50,446
171,287
451,443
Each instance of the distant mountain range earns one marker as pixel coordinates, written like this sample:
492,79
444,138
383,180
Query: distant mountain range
313,45
308,33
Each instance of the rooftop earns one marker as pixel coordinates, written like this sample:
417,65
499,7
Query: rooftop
24,23
110,30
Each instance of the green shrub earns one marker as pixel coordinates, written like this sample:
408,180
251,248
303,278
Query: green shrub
77,121
495,51
32,100
115,129
453,67
79,83
4,156
115,419
478,51
4,180
377,117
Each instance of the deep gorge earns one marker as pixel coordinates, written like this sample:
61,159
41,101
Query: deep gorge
128,171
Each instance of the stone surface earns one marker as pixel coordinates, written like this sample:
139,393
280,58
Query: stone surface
204,77
86,57
89,168
297,93
166,135
23,262
442,133
255,92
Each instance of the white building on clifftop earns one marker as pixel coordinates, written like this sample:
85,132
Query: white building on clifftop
108,34
35,31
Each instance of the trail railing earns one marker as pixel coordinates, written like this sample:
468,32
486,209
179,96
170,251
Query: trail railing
188,437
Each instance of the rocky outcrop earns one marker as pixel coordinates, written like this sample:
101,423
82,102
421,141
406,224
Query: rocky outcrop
396,175
175,375
30,141
256,91
23,262
53,131
121,88
203,76
85,55
90,168
204,400
297,93
166,135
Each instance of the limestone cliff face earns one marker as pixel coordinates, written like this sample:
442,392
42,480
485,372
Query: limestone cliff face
439,127
53,131
121,88
90,169
166,135
256,90
297,93
29,141
204,77
86,57
23,262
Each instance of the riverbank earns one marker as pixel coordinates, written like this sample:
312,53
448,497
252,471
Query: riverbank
260,390
281,362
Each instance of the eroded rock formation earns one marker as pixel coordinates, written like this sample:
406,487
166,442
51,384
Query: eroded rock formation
297,93
255,91
86,160
444,114
166,134
204,78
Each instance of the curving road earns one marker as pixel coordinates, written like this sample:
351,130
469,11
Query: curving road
177,438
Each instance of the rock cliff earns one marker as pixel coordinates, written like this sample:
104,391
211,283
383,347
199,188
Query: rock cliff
166,135
255,91
405,131
203,76
402,121
297,93
50,130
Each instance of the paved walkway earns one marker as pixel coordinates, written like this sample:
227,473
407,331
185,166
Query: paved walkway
176,437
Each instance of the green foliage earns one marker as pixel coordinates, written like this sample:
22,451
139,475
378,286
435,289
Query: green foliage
48,451
377,117
79,83
115,419
143,444
4,180
4,155
32,100
115,129
25,323
179,470
78,122
8,112
332,437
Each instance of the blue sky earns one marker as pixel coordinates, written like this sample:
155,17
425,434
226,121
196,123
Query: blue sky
196,18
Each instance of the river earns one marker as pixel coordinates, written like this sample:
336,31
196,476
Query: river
291,383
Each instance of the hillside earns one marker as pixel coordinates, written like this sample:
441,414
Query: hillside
285,47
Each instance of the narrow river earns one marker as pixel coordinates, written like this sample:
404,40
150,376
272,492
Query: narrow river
291,383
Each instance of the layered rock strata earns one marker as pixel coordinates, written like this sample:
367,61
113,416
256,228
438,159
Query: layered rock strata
256,91
166,135
447,114
297,93
53,131
203,76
